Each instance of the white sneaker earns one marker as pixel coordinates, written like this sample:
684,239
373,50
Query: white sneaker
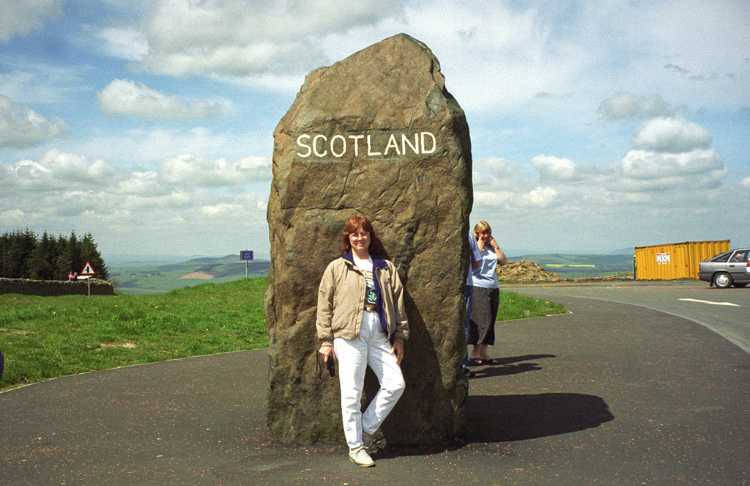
360,457
374,442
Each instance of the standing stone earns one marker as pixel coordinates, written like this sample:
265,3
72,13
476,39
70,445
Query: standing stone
379,135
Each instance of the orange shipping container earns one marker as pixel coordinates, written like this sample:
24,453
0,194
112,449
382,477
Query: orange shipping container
674,261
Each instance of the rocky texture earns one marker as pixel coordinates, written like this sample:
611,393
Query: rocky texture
415,188
525,271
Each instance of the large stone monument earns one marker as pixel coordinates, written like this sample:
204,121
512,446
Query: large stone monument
376,134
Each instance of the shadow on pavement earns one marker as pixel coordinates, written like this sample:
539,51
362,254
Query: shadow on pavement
517,417
508,366
509,418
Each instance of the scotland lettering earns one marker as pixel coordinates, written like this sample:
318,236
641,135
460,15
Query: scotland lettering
361,145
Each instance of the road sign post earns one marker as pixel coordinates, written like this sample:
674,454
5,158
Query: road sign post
88,272
246,256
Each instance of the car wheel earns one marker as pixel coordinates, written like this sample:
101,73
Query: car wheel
723,280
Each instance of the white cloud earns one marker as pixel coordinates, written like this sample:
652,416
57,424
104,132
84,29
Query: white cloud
172,200
123,97
123,43
142,183
187,169
494,172
12,217
153,145
554,168
644,164
648,171
627,105
540,197
219,210
20,17
665,134
496,55
237,39
26,81
746,182
21,126
58,170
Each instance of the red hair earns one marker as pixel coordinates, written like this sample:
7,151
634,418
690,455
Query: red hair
356,223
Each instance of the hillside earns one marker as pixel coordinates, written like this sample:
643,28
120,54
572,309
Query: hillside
146,278
143,278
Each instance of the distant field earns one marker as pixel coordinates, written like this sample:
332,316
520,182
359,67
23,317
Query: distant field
583,266
150,278
132,278
46,337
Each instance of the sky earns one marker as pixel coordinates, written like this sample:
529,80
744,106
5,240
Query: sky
595,125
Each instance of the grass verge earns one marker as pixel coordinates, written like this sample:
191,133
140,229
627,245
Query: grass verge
517,306
46,337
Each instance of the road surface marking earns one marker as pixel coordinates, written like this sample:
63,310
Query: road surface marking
710,302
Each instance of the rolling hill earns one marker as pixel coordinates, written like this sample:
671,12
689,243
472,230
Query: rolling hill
149,278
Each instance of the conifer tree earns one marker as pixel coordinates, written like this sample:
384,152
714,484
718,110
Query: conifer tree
40,266
24,255
64,260
26,248
4,246
90,253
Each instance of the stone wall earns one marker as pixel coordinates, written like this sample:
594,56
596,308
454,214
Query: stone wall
54,287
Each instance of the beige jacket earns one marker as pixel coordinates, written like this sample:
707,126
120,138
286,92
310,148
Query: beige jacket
341,299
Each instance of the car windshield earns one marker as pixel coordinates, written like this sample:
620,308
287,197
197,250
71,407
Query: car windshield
722,258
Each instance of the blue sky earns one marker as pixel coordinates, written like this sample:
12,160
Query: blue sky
595,125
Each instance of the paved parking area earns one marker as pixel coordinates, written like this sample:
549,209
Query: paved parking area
724,311
610,394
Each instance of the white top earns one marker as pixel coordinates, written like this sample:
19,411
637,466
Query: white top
486,275
474,257
370,320
363,264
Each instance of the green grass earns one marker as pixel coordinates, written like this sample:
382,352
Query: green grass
46,337
517,306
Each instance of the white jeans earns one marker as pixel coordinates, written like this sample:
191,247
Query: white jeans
354,355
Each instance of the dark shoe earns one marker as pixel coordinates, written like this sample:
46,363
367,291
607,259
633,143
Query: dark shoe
467,372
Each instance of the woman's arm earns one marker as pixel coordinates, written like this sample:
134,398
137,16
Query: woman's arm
325,306
502,258
402,328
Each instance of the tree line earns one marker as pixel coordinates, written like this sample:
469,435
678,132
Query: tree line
25,255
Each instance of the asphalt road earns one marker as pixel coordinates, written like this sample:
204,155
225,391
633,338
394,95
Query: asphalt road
724,311
610,394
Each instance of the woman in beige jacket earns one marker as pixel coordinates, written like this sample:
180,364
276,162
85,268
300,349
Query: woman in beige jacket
361,322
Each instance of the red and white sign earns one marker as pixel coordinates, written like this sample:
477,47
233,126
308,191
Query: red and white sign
88,269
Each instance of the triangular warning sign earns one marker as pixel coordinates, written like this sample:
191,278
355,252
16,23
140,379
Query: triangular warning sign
88,269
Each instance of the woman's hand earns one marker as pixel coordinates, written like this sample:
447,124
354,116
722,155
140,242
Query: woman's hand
398,348
502,258
326,351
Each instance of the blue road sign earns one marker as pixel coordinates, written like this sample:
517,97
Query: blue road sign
246,255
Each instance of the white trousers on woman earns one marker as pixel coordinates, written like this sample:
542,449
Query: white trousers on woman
354,355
